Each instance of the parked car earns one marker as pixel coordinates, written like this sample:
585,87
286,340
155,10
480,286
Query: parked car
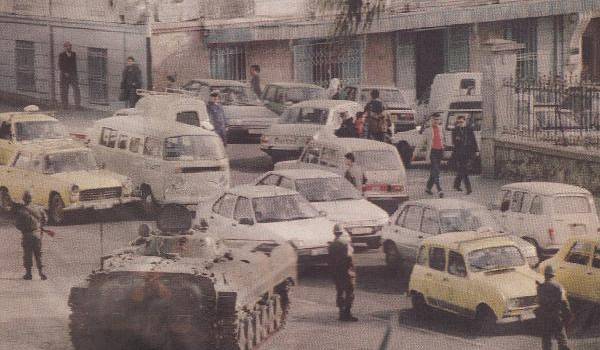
281,211
546,214
577,268
401,113
29,126
481,277
418,220
169,162
332,194
62,178
383,169
279,96
300,122
246,114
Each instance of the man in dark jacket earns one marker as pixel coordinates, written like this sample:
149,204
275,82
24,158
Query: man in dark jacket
67,64
217,116
344,276
465,150
376,121
132,80
553,312
347,128
255,80
354,173
29,219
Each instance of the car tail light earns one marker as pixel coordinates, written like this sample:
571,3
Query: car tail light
551,234
375,187
396,188
407,116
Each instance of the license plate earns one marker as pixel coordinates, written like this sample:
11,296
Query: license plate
319,251
361,230
286,140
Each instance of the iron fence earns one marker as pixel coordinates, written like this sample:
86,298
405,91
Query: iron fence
562,112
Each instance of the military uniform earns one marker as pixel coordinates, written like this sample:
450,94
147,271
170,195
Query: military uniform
344,276
552,314
29,220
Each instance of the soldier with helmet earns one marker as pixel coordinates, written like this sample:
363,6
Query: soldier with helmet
553,313
30,219
342,269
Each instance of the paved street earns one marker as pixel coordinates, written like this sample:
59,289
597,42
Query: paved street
35,314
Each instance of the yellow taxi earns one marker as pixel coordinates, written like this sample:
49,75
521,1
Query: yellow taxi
62,177
577,268
29,126
478,275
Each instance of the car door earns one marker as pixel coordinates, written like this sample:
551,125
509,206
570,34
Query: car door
510,216
573,269
221,214
593,279
407,232
461,297
19,177
438,287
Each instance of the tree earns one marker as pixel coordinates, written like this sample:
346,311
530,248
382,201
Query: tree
353,15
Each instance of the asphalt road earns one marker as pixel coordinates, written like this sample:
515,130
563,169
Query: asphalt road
34,315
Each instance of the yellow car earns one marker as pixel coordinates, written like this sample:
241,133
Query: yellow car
478,275
61,178
18,129
577,268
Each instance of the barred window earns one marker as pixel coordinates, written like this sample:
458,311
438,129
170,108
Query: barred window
97,75
228,62
25,64
319,62
525,32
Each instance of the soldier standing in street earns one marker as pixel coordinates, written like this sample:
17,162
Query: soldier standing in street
344,276
553,313
217,115
29,220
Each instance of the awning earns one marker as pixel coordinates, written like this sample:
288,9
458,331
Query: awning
439,17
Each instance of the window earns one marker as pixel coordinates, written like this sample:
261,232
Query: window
270,93
5,131
318,62
152,147
329,156
579,253
122,144
517,202
189,118
25,65
224,206
567,205
437,259
311,155
525,32
287,183
412,221
537,206
350,93
272,180
596,261
456,265
401,216
134,144
228,62
243,209
422,256
97,75
108,137
430,224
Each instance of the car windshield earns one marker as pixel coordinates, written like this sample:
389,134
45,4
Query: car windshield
327,189
282,208
296,115
237,95
65,162
193,147
296,95
35,130
377,160
389,97
459,220
564,205
495,258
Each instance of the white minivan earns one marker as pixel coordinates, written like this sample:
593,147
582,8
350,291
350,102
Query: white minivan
546,214
169,163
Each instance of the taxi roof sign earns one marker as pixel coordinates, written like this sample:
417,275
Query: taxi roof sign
31,108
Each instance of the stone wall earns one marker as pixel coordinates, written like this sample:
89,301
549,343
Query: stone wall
519,160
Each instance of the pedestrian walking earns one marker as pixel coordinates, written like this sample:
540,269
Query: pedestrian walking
255,80
30,219
67,64
553,313
217,115
436,152
347,128
359,124
377,123
131,81
343,273
354,173
465,150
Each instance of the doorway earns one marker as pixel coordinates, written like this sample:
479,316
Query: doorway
429,47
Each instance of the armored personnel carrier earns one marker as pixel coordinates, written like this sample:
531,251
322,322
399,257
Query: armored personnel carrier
180,288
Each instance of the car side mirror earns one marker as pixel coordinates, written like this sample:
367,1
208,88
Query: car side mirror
246,221
505,205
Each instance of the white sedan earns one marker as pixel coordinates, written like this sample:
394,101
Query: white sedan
269,209
419,219
337,198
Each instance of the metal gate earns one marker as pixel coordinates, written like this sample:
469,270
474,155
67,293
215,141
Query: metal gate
319,62
97,72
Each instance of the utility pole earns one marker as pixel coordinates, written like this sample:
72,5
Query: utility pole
149,21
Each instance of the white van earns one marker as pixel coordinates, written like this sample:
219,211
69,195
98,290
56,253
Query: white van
300,122
167,162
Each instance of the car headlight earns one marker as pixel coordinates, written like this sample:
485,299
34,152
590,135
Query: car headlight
74,193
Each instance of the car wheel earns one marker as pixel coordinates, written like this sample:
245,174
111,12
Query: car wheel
406,153
149,205
420,307
485,320
56,212
5,201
